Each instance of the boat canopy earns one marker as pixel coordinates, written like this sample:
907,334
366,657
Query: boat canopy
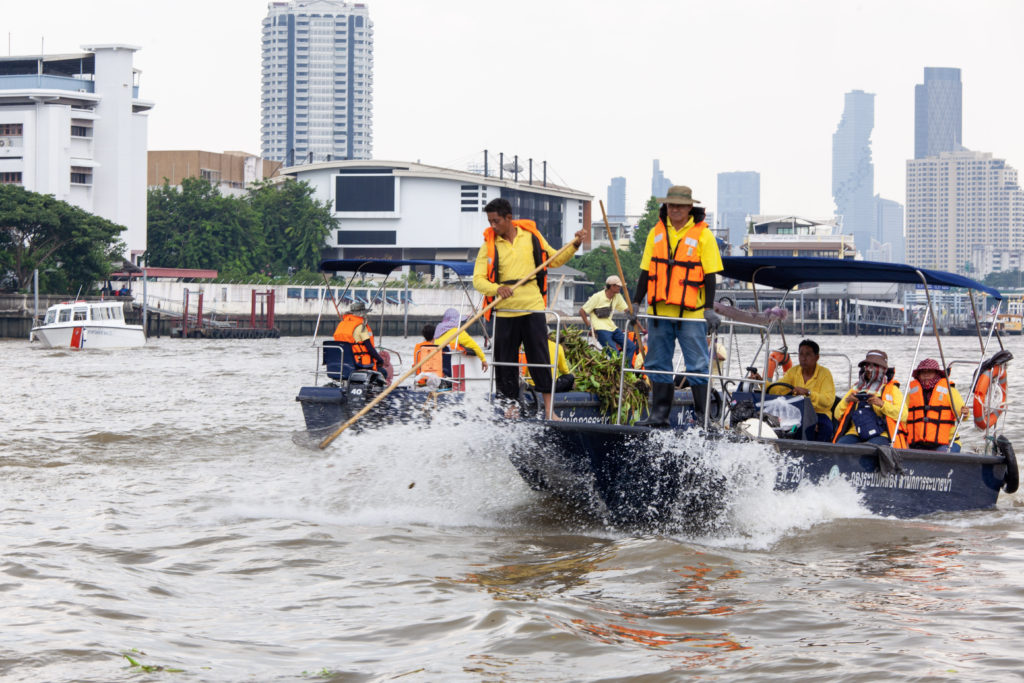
784,272
385,266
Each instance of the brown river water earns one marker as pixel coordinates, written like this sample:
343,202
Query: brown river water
164,518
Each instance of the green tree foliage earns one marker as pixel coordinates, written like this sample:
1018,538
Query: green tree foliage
71,247
295,225
1008,279
599,263
271,228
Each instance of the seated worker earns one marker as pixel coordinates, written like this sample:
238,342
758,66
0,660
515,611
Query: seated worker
932,409
564,379
597,315
354,330
434,365
718,357
870,410
815,382
444,335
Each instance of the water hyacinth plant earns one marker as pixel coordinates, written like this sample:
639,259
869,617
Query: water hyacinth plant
597,371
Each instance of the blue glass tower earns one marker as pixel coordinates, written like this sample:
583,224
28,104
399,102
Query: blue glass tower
938,113
739,196
617,199
853,173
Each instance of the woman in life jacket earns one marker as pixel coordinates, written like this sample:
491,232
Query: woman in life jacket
871,408
932,408
432,371
444,336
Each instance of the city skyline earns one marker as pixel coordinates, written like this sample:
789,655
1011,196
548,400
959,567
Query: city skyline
445,89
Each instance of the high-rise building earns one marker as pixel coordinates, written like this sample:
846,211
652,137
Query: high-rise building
317,81
73,126
853,173
938,112
889,230
617,199
659,183
739,196
965,213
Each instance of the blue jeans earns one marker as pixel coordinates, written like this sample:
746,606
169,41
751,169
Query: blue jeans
614,339
822,430
691,334
853,438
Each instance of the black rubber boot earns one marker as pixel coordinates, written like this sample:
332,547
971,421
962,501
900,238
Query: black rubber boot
700,402
660,406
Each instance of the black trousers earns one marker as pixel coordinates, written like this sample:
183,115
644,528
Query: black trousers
530,330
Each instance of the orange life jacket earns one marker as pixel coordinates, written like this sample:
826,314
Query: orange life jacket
539,257
930,424
434,366
677,279
344,333
631,336
890,424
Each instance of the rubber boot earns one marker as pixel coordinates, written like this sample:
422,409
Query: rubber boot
660,405
700,402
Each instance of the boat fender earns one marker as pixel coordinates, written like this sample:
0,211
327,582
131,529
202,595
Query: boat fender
1012,479
989,397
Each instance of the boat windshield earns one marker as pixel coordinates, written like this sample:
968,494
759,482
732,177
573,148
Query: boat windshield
81,313
51,315
64,315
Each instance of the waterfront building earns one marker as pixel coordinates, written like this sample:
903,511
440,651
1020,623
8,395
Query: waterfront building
773,235
853,173
659,183
938,112
965,213
739,196
889,229
617,199
389,209
317,92
231,172
73,126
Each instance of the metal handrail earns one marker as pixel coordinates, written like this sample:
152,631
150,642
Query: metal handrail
554,361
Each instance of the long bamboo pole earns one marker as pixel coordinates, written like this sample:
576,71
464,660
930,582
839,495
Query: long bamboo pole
625,290
411,371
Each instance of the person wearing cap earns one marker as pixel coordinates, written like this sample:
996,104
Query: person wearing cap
597,315
932,408
512,249
445,337
815,382
354,330
870,411
677,277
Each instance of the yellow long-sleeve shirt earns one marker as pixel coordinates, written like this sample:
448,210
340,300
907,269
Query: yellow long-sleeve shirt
710,258
465,341
892,399
821,387
515,261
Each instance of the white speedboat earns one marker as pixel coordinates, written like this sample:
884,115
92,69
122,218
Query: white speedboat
88,325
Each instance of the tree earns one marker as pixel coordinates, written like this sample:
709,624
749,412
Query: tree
69,246
599,263
295,225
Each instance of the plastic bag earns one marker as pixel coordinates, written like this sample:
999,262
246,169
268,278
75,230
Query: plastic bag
786,413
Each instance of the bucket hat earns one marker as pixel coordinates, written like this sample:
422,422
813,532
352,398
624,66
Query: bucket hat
679,194
876,357
928,364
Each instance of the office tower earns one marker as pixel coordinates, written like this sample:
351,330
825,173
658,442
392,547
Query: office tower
937,113
853,174
317,82
617,199
659,183
739,196
889,228
965,213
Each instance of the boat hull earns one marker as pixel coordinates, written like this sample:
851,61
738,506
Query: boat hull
90,336
327,407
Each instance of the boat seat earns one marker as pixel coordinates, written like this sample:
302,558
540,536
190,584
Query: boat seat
340,360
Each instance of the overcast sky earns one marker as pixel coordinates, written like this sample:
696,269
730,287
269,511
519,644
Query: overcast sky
598,88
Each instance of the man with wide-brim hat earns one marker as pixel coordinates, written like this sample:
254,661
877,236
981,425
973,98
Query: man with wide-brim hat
677,280
872,411
597,312
354,330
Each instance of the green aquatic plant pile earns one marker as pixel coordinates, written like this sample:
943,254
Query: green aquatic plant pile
597,371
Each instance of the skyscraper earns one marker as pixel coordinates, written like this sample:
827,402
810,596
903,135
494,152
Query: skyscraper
739,196
853,174
659,183
617,199
938,111
317,81
889,228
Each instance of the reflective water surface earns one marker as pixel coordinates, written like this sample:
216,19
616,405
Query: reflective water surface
163,518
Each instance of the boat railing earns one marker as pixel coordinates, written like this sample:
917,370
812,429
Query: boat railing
552,367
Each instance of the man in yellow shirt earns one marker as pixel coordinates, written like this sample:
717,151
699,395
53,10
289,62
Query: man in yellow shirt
512,249
677,276
597,315
565,378
815,382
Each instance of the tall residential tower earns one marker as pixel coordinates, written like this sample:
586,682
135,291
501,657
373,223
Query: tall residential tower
317,81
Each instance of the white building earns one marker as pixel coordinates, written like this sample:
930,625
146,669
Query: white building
317,97
391,209
73,126
795,236
965,214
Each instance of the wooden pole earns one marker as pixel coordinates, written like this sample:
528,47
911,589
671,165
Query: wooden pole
625,290
411,371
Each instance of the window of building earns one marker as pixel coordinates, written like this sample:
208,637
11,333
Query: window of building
10,129
367,237
81,132
81,175
364,193
10,177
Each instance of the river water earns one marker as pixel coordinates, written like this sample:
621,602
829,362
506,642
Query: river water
164,518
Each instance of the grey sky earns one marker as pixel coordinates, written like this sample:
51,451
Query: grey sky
597,88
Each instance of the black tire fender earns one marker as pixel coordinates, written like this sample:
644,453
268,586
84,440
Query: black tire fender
1012,479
